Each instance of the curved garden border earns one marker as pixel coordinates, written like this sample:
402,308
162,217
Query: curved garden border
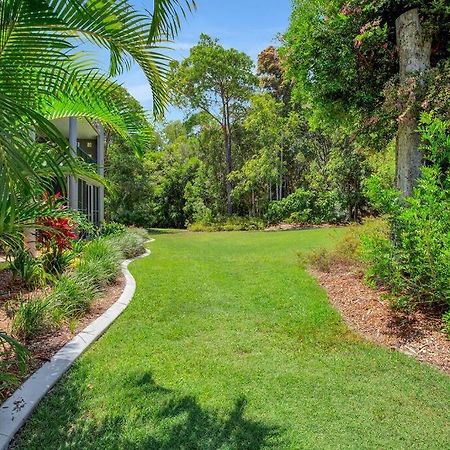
18,407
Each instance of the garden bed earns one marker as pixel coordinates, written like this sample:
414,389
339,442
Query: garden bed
44,345
44,318
417,333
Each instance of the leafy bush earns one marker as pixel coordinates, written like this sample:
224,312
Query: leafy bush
55,237
295,206
111,229
413,258
416,263
446,322
31,317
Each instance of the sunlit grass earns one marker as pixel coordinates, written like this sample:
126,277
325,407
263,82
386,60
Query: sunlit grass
230,344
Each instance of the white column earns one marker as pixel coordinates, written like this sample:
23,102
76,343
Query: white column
73,182
101,171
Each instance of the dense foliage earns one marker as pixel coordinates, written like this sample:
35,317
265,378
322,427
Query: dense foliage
415,264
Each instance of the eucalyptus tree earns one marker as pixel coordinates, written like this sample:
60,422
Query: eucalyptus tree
217,82
45,74
351,59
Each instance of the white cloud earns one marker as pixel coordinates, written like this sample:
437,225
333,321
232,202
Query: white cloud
181,46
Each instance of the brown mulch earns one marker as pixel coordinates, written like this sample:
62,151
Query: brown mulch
417,334
297,226
45,345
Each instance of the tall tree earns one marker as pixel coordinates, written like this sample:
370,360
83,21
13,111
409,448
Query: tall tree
414,46
217,82
272,75
345,55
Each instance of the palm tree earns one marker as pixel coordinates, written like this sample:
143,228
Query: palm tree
46,73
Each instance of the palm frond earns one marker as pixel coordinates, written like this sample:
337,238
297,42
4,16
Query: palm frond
166,18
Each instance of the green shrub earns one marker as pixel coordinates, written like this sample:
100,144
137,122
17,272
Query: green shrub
446,322
31,270
99,263
71,296
413,259
201,227
111,229
296,205
31,317
131,243
416,262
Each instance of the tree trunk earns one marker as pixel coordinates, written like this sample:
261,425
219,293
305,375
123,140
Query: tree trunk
29,241
281,173
415,54
229,169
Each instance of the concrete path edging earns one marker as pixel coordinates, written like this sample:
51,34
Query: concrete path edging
19,406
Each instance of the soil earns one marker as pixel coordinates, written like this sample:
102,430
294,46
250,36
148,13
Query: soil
296,226
417,333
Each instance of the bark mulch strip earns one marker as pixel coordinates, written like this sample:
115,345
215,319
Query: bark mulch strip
417,334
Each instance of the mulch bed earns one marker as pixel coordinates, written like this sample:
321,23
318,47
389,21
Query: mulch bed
417,334
45,345
297,226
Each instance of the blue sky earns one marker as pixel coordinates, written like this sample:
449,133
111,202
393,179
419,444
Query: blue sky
248,25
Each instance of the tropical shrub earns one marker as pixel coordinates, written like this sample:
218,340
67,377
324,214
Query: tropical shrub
111,229
295,206
446,322
30,270
55,236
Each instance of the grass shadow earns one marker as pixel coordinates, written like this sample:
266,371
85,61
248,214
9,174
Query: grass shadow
160,419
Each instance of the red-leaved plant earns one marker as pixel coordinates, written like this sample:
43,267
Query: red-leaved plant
56,235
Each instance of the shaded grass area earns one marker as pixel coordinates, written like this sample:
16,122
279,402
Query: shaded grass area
229,344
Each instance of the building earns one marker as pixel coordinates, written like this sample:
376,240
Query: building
87,139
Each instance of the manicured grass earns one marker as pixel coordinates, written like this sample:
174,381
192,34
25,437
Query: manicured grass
229,344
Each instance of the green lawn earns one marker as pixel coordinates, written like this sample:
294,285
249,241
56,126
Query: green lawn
229,344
